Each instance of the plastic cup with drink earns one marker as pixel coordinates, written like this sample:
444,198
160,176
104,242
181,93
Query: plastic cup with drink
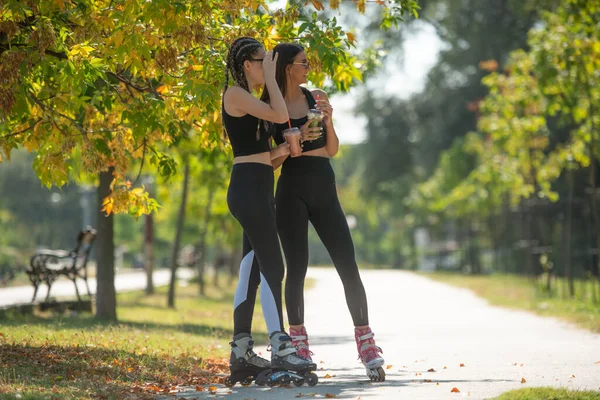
292,137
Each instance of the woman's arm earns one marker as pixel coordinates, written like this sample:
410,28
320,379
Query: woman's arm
279,154
333,143
239,102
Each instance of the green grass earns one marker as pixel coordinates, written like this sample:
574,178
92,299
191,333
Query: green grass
521,293
151,350
548,394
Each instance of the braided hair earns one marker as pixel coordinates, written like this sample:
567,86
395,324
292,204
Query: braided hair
240,50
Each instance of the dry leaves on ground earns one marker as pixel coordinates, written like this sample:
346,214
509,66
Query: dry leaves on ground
455,390
523,380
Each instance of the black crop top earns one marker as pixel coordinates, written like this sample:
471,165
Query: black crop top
306,146
243,132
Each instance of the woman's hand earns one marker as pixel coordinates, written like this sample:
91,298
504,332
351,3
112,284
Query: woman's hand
280,151
309,134
326,109
269,65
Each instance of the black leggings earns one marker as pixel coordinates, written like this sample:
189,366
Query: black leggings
306,191
250,200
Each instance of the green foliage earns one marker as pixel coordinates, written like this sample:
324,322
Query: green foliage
557,77
136,77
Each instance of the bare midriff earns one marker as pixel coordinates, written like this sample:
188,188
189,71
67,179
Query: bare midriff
320,152
262,158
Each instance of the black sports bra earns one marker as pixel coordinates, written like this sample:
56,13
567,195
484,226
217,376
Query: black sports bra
247,134
298,122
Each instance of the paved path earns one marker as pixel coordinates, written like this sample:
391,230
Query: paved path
65,288
422,324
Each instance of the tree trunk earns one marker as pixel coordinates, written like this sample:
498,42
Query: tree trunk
149,252
235,258
569,235
178,233
218,264
106,299
202,243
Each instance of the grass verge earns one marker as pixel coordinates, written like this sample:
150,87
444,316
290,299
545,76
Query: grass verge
548,394
521,293
150,351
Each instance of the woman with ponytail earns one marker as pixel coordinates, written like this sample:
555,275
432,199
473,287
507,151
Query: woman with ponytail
250,200
306,191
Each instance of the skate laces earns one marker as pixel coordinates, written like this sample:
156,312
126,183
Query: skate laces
367,350
300,342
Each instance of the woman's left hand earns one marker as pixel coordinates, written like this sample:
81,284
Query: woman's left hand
327,110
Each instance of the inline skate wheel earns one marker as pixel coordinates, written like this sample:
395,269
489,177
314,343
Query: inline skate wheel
311,379
262,378
228,382
247,382
377,375
298,382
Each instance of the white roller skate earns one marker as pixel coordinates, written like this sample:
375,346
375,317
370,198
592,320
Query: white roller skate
244,363
368,354
286,365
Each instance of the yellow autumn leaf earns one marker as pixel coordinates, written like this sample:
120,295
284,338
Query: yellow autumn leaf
351,37
318,5
137,191
455,390
162,89
108,205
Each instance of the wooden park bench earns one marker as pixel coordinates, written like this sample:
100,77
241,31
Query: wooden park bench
48,265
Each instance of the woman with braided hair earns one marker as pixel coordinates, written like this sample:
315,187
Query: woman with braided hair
251,201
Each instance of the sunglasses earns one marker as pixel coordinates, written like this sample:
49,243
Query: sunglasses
304,64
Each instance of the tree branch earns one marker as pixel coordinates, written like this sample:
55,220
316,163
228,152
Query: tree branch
21,131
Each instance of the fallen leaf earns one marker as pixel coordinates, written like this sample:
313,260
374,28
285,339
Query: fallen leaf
428,380
572,376
597,362
330,396
388,367
455,390
212,389
299,395
199,388
445,367
431,370
321,362
468,393
523,380
515,364
462,365
418,373
521,365
327,376
437,384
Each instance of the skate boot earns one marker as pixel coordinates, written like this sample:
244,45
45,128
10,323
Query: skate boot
300,342
368,353
244,364
286,365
